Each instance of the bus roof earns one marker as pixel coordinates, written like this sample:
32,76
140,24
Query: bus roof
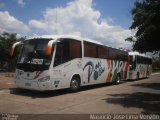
67,36
73,37
139,54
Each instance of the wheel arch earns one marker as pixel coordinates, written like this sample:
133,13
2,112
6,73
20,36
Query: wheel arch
76,75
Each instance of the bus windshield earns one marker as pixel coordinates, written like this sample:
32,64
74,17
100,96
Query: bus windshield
33,55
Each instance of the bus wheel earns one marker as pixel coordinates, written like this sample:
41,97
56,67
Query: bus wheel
75,84
137,76
147,76
118,79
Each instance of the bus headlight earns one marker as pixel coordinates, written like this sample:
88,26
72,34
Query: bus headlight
44,79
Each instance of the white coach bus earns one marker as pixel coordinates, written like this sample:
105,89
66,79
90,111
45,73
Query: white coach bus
56,62
140,65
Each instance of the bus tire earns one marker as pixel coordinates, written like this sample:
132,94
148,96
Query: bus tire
137,77
147,76
118,79
75,84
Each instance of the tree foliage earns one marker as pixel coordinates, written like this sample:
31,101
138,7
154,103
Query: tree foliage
156,64
146,21
6,42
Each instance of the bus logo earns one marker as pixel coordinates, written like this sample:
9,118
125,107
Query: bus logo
96,71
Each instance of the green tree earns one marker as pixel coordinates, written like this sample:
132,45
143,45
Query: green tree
146,21
156,64
6,42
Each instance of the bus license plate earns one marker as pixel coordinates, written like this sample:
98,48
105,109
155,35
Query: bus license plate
27,84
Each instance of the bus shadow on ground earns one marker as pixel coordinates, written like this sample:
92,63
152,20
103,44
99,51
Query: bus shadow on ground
155,86
53,93
132,80
149,102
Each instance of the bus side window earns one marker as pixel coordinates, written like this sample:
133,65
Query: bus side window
75,49
102,53
112,54
90,50
59,52
67,49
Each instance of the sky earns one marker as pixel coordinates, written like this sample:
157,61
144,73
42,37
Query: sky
107,21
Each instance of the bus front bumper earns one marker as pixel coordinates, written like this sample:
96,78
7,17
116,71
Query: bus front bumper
34,85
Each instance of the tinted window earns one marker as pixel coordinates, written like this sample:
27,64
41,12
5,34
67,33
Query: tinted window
102,52
143,60
33,55
66,50
99,51
116,54
90,50
75,49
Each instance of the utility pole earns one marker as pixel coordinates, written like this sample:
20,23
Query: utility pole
56,32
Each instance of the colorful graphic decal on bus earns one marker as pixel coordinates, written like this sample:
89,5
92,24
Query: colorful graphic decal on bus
115,67
143,69
96,70
90,65
37,74
112,70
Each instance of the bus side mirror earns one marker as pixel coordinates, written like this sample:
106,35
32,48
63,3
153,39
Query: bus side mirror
49,47
13,48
